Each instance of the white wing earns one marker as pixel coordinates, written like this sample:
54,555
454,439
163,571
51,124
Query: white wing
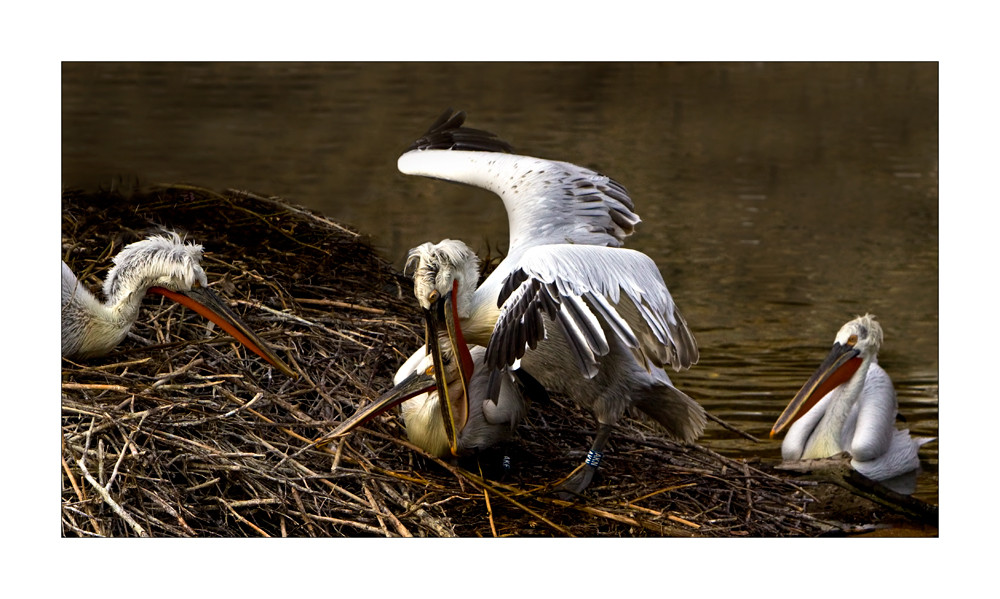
547,201
872,424
581,288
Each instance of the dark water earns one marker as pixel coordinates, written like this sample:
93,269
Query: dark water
780,200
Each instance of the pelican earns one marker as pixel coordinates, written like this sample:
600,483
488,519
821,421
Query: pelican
444,385
568,305
159,264
849,404
484,423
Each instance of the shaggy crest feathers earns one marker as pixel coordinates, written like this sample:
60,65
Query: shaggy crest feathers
868,331
434,267
164,261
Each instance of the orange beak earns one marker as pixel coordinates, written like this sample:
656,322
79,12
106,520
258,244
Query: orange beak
443,316
204,301
838,368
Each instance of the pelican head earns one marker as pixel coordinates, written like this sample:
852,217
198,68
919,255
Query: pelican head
157,261
864,334
856,345
444,278
160,264
443,269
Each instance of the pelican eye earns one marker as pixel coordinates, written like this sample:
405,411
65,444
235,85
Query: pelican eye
433,296
429,371
852,340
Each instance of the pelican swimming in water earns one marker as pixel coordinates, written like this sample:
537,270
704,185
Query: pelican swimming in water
159,264
568,305
849,404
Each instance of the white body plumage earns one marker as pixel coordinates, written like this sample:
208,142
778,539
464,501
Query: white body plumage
488,423
857,416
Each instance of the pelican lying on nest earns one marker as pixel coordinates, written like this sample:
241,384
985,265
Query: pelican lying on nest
849,404
480,422
568,305
466,420
159,264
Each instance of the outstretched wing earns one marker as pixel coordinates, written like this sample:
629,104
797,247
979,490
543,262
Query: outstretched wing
547,201
586,291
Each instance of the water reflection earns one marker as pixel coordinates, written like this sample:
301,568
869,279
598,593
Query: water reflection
779,200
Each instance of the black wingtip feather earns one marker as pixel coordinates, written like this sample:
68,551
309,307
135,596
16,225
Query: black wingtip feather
447,133
512,282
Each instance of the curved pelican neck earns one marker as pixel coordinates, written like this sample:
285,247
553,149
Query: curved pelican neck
123,307
91,327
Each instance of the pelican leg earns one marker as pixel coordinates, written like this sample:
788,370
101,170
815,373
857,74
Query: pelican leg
580,479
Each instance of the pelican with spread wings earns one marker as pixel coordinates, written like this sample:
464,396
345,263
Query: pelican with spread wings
568,305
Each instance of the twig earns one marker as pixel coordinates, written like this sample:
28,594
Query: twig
170,510
108,500
93,386
163,378
489,508
682,521
381,509
278,313
114,472
117,365
730,427
341,522
242,519
435,525
305,515
80,496
336,304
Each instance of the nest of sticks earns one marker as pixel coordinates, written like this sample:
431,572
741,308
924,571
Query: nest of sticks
180,432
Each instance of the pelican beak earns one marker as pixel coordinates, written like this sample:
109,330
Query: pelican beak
838,368
443,315
415,384
206,302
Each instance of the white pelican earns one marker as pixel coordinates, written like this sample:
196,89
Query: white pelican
486,423
159,264
478,421
849,404
483,422
568,305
